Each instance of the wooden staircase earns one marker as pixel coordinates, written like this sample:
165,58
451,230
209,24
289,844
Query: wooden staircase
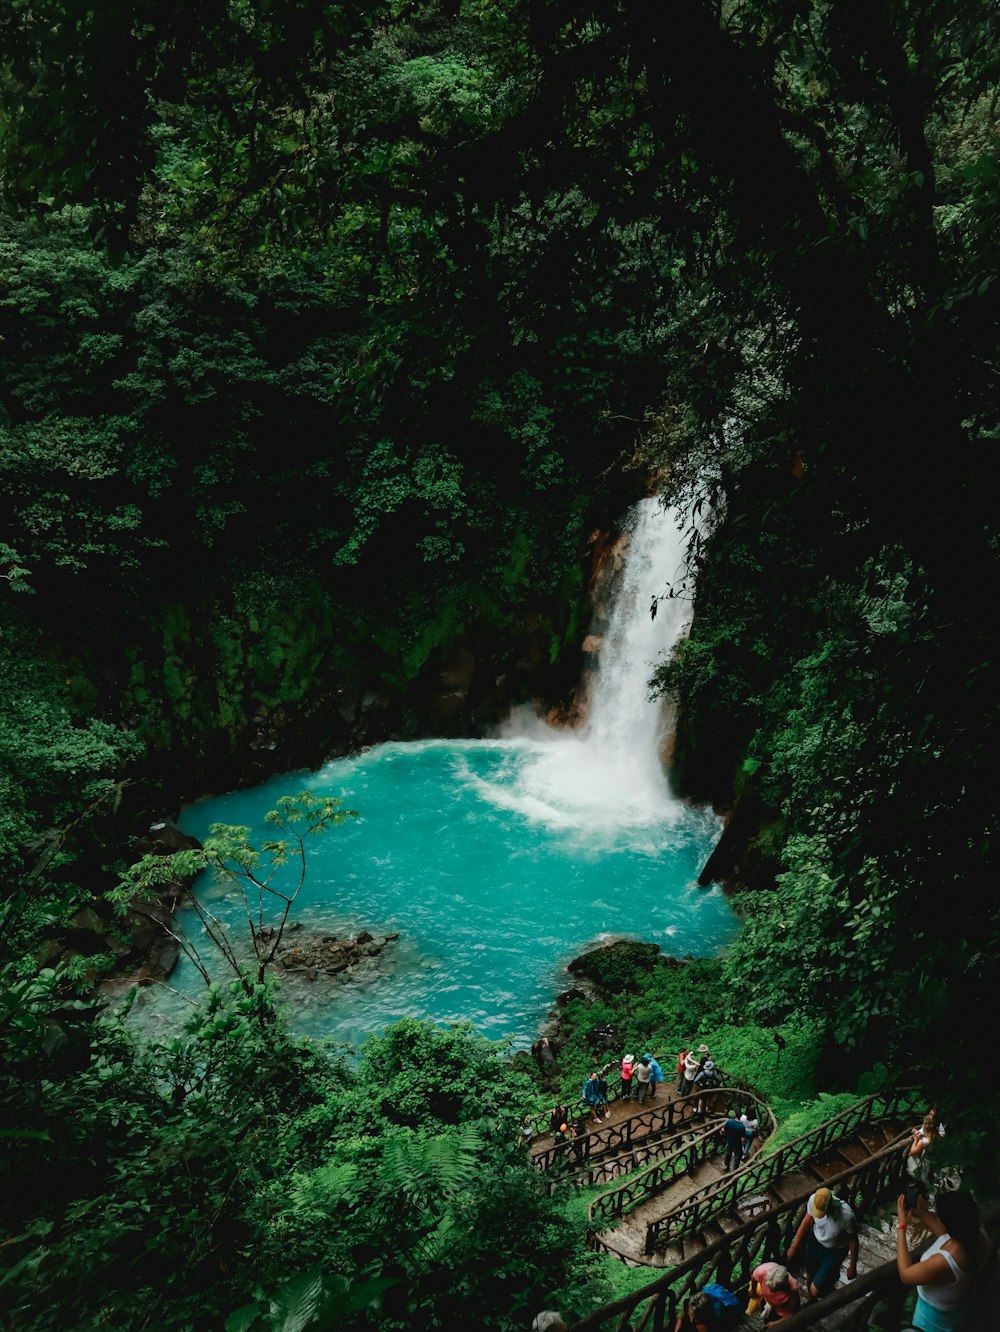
668,1222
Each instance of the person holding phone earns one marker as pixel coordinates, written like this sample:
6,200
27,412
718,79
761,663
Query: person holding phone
944,1272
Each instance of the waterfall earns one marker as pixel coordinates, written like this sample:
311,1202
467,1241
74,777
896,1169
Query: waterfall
609,774
623,724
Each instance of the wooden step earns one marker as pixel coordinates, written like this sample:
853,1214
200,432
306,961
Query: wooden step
783,1190
852,1151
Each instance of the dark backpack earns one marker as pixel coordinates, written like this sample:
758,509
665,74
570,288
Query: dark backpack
727,1308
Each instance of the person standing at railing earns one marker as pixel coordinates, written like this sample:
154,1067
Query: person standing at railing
642,1077
830,1231
692,1065
655,1074
706,1078
945,1272
558,1117
628,1070
734,1135
580,1144
923,1137
682,1086
594,1097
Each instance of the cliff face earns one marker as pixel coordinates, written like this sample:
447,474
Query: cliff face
223,698
227,704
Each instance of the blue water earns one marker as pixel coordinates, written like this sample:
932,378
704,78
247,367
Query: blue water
497,862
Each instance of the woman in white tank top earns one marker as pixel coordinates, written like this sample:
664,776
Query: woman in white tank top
945,1272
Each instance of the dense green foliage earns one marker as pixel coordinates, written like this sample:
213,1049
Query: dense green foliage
330,333
232,1171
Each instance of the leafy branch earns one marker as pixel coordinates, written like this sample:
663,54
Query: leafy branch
232,859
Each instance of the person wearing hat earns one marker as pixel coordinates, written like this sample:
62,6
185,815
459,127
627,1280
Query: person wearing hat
830,1230
628,1066
775,1285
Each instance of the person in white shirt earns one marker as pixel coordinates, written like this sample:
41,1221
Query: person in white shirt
830,1230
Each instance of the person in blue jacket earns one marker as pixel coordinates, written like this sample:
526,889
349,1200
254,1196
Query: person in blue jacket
595,1096
655,1074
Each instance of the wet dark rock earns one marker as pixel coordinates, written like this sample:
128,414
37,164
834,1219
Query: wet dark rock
163,838
614,967
544,1051
603,1038
322,954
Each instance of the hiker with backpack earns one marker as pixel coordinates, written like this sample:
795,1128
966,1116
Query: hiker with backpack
713,1309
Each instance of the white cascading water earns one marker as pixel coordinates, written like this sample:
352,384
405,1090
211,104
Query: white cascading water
609,774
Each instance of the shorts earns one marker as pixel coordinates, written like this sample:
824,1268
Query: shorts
929,1319
823,1265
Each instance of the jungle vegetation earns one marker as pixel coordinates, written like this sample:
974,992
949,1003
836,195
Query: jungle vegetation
330,334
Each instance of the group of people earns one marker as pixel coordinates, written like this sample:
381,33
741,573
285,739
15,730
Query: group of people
943,1274
828,1232
695,1068
640,1077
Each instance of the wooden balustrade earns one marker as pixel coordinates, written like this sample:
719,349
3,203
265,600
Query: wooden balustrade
611,1139
705,1145
722,1196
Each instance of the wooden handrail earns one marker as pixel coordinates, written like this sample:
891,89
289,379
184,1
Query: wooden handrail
722,1195
618,1141
660,1120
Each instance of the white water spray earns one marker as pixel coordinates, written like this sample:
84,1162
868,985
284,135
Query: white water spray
609,775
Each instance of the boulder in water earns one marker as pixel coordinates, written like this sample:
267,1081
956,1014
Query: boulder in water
615,966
